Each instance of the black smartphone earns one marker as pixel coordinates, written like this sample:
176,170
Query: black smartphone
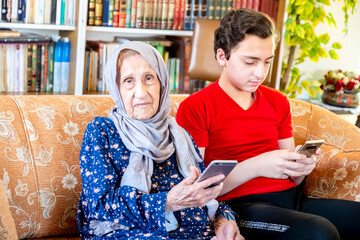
309,147
217,167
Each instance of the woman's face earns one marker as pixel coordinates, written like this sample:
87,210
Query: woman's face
139,88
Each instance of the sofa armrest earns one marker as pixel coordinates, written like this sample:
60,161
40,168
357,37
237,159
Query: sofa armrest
337,174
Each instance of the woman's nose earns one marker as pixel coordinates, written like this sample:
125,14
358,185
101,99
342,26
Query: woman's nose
140,90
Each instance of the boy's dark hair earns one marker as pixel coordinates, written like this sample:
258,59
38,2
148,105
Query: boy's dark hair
237,23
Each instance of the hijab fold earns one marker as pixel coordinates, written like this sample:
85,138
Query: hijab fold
151,140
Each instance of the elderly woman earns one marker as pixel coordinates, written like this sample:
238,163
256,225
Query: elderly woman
139,167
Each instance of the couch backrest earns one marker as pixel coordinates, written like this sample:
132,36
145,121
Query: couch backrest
40,140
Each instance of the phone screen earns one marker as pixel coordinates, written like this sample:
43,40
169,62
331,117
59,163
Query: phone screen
217,167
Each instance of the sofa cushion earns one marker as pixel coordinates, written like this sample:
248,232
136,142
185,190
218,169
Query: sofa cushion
7,226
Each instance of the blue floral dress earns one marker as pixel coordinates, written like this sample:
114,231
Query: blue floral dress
103,161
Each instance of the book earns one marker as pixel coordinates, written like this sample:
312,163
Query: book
98,12
50,71
59,11
140,13
26,38
164,14
41,11
181,15
158,12
65,64
171,13
45,69
57,67
116,15
29,68
187,14
91,12
128,13
217,11
14,10
111,13
105,13
210,13
223,10
38,68
202,8
9,33
122,16
148,11
133,13
17,68
176,15
47,12
21,11
194,12
71,13
4,10
10,70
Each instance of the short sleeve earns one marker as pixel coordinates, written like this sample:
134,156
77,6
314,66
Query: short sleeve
191,116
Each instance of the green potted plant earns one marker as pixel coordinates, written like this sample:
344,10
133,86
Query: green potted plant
303,43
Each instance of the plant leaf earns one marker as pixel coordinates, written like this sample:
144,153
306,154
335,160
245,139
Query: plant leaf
333,55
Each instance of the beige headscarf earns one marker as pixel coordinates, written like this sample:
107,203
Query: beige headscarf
154,139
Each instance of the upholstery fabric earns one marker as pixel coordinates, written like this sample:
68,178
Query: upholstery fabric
7,226
40,139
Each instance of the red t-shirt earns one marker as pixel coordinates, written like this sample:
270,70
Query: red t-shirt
228,132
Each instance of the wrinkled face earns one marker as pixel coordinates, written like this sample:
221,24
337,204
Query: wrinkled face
139,88
249,63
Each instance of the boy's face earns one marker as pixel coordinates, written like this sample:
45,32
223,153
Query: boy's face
248,65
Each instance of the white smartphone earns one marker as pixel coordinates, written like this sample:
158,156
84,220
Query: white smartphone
309,147
217,167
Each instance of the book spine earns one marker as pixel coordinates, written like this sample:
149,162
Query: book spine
187,16
45,78
176,14
10,70
122,18
98,12
164,14
210,9
105,13
159,14
128,13
57,67
140,14
62,13
4,10
65,65
182,14
50,75
42,64
29,68
223,8
229,6
217,12
17,68
91,13
40,17
34,65
116,16
100,68
21,11
111,13
194,13
23,70
202,8
133,13
58,11
148,10
243,4
47,12
14,9
38,68
171,14
154,16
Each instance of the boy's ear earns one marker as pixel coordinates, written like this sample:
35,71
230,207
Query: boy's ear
220,57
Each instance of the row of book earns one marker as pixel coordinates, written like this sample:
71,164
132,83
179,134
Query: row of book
40,65
60,12
97,53
167,14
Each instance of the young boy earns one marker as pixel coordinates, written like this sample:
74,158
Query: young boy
238,118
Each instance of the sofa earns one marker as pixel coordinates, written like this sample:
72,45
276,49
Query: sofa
40,140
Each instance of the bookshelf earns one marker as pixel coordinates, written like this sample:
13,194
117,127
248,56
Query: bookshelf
80,33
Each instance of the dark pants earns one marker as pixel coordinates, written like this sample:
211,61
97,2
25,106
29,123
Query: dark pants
291,215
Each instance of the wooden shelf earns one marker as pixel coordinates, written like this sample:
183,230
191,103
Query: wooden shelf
138,32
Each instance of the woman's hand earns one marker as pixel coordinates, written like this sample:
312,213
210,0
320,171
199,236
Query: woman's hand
188,194
226,230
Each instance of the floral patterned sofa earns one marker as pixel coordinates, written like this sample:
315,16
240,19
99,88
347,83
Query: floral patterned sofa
40,139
